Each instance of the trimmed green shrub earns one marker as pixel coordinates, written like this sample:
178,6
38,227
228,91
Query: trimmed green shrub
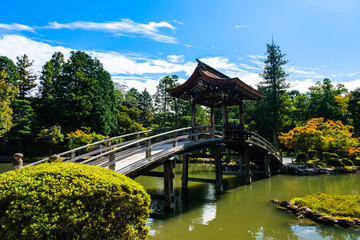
80,138
71,201
347,162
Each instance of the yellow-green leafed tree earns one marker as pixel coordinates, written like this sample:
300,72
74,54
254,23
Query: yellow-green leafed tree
7,93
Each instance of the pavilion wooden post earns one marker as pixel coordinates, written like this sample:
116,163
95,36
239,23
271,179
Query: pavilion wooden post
218,170
224,117
168,183
185,173
267,165
246,158
241,114
212,122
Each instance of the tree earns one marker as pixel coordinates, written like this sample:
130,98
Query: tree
52,136
50,90
354,109
322,99
103,114
321,135
146,106
7,93
274,87
10,69
26,81
23,121
165,105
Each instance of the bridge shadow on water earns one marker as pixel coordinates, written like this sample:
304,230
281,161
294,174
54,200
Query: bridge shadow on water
197,194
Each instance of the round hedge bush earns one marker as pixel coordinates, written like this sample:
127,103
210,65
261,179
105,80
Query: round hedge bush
71,201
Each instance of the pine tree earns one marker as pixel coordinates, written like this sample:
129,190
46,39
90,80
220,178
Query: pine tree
26,81
274,87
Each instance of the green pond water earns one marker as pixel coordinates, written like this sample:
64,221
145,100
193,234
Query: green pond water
241,211
244,211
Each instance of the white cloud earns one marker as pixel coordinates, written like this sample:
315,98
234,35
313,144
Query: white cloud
176,58
122,28
241,26
15,45
178,22
352,85
16,27
302,86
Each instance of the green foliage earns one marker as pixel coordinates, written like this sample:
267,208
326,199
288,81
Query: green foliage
22,119
79,138
354,110
12,75
323,101
71,201
338,206
50,90
128,120
26,81
301,157
7,93
52,135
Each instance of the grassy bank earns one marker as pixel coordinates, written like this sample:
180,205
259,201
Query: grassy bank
337,206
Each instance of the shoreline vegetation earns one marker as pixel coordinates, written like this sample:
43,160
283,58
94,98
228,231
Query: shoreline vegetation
341,210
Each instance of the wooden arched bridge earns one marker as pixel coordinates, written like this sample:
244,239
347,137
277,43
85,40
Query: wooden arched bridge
138,153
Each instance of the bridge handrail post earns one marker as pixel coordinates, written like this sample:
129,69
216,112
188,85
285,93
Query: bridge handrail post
18,161
212,131
137,137
148,148
112,158
175,142
72,156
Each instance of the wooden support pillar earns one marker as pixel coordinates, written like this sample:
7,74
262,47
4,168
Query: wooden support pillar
267,165
193,108
218,170
224,117
241,114
72,156
212,117
248,177
175,142
168,184
185,173
241,163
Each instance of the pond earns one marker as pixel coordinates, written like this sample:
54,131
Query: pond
241,211
244,211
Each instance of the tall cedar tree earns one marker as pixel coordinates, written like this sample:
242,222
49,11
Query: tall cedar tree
26,81
10,69
49,90
274,87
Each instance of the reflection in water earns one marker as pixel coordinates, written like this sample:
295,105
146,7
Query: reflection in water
244,211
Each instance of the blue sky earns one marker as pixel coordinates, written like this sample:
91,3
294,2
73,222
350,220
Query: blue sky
139,42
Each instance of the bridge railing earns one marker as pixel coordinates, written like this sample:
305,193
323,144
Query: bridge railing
150,142
100,147
265,143
107,147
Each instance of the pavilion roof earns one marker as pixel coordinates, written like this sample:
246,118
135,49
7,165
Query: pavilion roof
209,87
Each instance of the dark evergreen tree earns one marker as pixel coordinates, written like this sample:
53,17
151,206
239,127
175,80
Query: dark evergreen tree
274,87
50,90
165,105
354,109
26,81
103,114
